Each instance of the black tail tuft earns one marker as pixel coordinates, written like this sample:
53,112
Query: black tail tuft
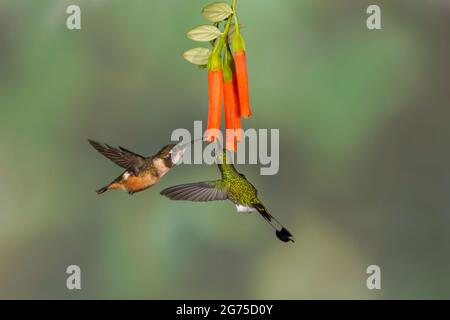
102,190
280,231
284,235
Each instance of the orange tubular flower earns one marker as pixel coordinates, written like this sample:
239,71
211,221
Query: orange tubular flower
237,116
242,82
229,100
215,85
215,94
237,112
241,73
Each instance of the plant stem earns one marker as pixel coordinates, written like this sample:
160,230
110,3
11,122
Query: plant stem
227,26
236,22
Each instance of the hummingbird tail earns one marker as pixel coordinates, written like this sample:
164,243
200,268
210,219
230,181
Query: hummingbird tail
102,190
281,232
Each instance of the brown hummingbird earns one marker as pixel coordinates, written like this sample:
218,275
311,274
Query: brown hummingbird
140,172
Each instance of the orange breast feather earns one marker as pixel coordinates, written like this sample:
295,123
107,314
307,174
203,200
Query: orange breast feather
134,183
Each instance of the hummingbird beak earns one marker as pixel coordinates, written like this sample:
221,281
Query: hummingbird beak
177,152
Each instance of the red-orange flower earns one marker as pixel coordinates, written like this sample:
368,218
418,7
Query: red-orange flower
237,112
229,99
229,102
215,92
242,82
241,71
215,97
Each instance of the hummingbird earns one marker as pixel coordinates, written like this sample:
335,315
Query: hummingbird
233,186
140,172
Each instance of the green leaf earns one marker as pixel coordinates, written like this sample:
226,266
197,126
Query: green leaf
204,33
217,11
198,56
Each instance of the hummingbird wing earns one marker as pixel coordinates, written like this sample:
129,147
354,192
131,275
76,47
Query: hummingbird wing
122,157
131,152
197,191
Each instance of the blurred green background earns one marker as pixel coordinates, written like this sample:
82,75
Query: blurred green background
364,175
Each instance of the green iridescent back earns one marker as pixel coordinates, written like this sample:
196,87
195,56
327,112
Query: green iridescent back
239,189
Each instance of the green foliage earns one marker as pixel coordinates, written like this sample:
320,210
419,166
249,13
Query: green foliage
217,11
204,33
198,56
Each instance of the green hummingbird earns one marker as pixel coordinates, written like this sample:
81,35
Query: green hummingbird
233,186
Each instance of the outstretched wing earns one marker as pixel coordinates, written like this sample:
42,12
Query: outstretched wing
197,191
122,157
